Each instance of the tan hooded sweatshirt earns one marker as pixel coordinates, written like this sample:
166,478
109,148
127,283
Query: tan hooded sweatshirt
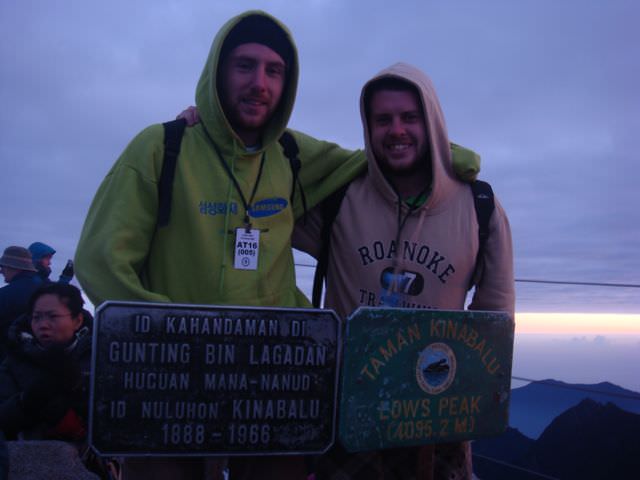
428,263
435,257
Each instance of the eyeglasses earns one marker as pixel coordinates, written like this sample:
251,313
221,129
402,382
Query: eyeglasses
52,316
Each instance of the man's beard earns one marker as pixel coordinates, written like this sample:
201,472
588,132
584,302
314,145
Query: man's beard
418,167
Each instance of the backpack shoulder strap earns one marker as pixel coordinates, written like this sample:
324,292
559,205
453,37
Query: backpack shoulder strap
173,132
291,151
484,203
329,209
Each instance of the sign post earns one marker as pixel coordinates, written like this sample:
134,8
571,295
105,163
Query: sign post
181,380
414,377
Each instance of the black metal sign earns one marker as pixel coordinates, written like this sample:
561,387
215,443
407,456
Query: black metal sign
201,380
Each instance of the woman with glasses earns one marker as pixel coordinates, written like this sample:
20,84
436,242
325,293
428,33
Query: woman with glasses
44,380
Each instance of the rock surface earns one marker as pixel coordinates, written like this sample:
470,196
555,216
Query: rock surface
52,460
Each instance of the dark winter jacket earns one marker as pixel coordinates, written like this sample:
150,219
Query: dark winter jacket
44,394
39,250
13,301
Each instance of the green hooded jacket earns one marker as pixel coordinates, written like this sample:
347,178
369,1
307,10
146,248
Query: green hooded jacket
121,254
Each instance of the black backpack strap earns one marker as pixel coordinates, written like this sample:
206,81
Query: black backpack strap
484,203
173,132
329,209
291,151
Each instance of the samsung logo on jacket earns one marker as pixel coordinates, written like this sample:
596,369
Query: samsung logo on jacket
263,208
268,207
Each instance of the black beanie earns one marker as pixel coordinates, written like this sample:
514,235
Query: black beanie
258,29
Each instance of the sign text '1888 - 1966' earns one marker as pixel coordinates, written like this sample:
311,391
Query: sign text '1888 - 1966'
197,380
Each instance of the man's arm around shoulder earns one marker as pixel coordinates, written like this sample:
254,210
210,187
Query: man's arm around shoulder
325,168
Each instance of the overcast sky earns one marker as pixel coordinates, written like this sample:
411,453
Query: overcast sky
547,91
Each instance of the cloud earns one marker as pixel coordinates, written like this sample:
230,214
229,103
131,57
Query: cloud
600,340
541,89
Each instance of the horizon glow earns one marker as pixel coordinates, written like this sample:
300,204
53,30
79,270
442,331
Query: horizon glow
578,323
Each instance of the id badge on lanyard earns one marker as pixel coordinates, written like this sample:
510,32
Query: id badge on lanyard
246,249
247,243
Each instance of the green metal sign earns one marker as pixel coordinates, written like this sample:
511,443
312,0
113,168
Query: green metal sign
414,377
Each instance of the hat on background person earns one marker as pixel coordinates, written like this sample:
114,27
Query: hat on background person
39,250
18,258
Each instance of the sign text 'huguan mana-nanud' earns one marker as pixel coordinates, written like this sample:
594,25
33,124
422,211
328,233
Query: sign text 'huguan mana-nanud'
197,380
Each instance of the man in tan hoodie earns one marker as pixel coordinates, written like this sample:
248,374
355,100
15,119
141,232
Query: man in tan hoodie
406,235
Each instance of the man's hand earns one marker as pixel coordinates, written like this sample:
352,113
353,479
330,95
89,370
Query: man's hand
190,115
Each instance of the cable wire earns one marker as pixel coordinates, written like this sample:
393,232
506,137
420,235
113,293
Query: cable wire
591,284
552,282
515,467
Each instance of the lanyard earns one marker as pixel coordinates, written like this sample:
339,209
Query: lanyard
390,295
413,204
247,205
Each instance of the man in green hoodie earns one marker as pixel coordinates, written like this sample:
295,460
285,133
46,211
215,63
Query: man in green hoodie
232,183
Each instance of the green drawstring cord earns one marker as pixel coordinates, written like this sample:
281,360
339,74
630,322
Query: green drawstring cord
413,206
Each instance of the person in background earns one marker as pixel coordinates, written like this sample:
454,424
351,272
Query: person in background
42,254
44,379
20,275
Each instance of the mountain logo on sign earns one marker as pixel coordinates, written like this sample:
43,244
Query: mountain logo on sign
436,368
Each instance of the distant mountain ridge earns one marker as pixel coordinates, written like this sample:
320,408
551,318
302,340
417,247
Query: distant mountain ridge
534,406
588,441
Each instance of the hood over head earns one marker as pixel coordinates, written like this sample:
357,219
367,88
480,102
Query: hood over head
253,26
39,250
442,174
